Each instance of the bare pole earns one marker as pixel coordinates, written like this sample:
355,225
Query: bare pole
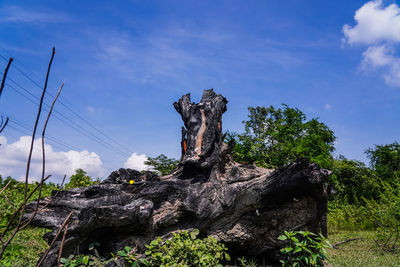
4,188
43,154
28,195
55,238
28,221
3,81
3,125
62,244
21,207
28,164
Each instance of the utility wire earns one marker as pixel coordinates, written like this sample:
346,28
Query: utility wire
29,129
72,111
66,118
7,130
68,121
59,146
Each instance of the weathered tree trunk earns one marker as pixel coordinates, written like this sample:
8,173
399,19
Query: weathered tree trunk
244,206
202,136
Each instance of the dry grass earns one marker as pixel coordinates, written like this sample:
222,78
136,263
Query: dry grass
361,252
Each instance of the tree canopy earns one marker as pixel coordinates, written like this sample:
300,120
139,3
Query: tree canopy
79,179
162,164
276,137
385,161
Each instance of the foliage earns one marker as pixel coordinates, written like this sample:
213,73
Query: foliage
93,259
385,161
277,137
247,263
184,249
83,260
386,215
13,197
25,248
304,249
128,256
344,216
80,179
353,181
162,164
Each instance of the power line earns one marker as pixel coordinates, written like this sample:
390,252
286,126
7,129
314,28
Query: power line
66,118
52,144
72,111
10,126
29,129
68,121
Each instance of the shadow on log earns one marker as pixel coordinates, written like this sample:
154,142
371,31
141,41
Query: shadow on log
244,206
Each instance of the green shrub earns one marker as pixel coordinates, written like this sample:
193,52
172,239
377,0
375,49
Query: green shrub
304,249
92,259
353,181
13,197
184,249
343,216
79,179
385,213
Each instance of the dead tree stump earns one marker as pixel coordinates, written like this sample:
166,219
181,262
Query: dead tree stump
244,206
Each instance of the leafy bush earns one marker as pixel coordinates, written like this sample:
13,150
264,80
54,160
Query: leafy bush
385,213
13,197
93,259
353,181
184,249
79,179
385,161
304,249
344,216
11,254
162,164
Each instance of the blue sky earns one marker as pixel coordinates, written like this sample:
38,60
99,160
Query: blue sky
125,62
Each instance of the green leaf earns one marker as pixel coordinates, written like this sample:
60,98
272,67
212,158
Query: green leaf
227,257
85,260
294,239
122,253
297,249
282,237
127,249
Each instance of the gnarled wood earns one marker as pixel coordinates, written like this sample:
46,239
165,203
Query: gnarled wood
244,206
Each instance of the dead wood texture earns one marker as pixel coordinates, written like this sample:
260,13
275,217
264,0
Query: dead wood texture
244,206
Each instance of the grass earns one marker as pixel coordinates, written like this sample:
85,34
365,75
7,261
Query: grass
361,252
25,248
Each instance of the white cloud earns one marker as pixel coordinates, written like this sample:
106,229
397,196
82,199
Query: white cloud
13,159
327,106
17,14
378,56
374,23
378,27
136,162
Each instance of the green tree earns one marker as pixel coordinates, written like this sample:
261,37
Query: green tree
162,164
276,137
385,161
79,179
353,181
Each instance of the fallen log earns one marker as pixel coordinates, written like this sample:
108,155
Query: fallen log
244,206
